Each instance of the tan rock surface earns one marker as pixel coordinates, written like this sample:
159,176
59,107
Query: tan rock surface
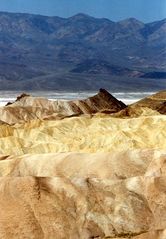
152,105
84,134
115,165
27,108
92,176
80,208
155,102
76,195
160,234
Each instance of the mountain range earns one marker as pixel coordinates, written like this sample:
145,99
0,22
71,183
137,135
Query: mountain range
81,53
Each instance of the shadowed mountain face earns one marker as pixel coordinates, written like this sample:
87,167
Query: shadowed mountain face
56,53
103,67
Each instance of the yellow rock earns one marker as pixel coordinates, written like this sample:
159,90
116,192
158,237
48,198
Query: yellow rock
115,165
92,176
85,134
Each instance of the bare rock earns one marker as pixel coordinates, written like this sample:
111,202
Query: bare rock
80,208
152,105
84,134
26,107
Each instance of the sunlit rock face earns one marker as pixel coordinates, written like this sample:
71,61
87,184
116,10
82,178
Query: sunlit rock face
92,175
58,207
114,165
27,108
156,102
84,134
152,105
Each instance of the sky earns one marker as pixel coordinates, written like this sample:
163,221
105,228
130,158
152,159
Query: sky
143,10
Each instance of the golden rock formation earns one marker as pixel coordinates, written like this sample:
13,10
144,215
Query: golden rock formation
152,105
84,134
27,108
86,176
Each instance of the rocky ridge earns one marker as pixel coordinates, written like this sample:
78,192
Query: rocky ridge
27,108
154,104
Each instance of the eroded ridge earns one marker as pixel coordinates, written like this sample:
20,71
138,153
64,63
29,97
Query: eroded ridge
91,175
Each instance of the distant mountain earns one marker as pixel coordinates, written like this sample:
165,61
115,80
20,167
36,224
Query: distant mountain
36,49
154,75
102,67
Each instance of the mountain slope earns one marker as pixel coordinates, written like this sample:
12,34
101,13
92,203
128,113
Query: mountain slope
33,47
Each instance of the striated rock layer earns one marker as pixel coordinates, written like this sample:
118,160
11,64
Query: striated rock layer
152,105
27,108
88,176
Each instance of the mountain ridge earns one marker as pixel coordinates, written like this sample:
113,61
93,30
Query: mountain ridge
55,46
80,14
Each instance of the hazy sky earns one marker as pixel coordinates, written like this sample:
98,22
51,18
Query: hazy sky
145,10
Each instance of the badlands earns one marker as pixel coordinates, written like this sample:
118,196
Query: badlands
83,169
